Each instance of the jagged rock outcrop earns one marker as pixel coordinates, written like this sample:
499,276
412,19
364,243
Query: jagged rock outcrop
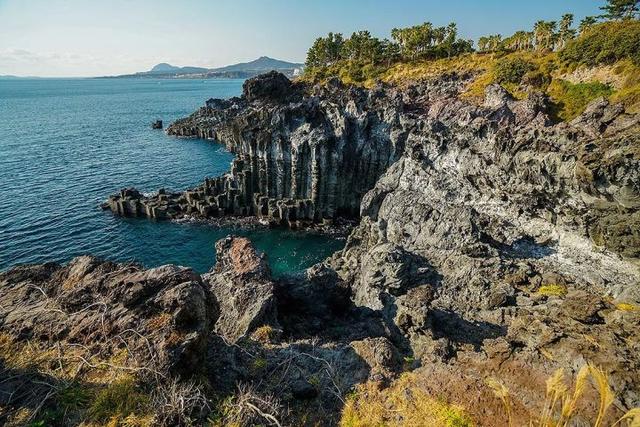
468,213
488,209
174,330
310,154
163,315
242,283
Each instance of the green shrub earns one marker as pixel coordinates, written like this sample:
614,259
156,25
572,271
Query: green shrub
512,69
605,44
570,100
119,399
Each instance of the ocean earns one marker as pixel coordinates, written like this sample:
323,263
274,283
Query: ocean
67,144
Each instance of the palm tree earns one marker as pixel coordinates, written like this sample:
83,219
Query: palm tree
544,34
483,43
566,32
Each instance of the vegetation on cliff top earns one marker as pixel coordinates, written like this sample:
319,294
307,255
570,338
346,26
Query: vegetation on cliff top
601,57
405,403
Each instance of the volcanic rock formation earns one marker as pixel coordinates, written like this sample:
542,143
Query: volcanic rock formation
492,242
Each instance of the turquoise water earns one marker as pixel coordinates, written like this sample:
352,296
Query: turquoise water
66,144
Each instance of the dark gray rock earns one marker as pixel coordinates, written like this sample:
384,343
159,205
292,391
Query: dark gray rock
271,86
163,315
241,282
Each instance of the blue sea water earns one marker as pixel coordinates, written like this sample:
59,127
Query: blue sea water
66,144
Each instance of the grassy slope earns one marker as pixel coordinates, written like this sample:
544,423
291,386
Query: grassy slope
548,73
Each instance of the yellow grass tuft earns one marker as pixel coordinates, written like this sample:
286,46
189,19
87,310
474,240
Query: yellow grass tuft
625,306
606,394
632,417
561,402
552,290
264,334
401,404
502,392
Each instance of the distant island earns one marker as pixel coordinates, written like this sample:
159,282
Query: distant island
241,70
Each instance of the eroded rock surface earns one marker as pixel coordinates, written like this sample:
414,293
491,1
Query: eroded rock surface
241,282
162,315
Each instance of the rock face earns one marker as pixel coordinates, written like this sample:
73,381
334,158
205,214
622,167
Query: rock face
488,208
241,281
163,314
308,154
300,157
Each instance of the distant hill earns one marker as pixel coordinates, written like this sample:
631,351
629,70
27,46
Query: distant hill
262,64
165,68
241,70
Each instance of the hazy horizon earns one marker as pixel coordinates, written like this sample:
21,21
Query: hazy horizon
76,38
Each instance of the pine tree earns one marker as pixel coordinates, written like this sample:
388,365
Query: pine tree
587,23
621,9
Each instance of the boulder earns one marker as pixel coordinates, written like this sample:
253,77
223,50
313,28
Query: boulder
496,96
241,282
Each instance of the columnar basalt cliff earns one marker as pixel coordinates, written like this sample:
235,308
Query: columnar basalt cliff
492,243
300,157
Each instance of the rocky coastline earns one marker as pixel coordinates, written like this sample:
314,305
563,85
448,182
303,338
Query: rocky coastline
491,242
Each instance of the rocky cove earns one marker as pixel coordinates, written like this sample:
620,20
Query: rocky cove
491,242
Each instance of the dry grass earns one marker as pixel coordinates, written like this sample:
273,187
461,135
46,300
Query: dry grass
264,334
159,321
561,401
247,407
420,70
568,99
68,384
401,404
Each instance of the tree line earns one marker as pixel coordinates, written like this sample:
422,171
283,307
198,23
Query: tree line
426,41
554,35
418,42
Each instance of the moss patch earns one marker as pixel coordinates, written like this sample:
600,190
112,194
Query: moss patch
570,100
552,290
119,399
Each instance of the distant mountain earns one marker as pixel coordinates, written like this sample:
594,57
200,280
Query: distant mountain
164,68
242,70
262,64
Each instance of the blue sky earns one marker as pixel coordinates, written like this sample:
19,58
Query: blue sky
88,38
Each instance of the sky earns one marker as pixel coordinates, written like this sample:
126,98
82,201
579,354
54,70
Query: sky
74,38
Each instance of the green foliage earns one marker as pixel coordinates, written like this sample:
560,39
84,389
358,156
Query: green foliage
325,50
492,43
119,399
259,363
621,9
413,43
362,47
425,41
570,100
586,24
73,397
605,43
544,34
512,69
